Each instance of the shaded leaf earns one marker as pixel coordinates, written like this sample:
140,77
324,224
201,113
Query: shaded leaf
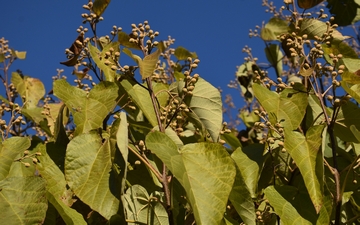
307,4
142,208
316,28
75,49
345,12
274,56
99,6
249,161
88,110
347,116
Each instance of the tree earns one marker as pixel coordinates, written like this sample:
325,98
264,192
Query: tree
156,151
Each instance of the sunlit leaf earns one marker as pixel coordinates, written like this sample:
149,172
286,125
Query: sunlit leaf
104,62
182,53
273,29
206,104
30,89
205,170
23,200
307,155
88,173
20,55
9,149
88,110
289,106
123,39
316,28
99,6
147,65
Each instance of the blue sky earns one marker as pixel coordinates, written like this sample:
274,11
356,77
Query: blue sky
216,30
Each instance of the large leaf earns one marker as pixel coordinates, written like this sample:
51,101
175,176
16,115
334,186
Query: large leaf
316,28
240,195
87,171
88,110
274,56
307,4
141,207
205,170
308,157
141,98
273,29
30,89
348,115
23,200
206,104
57,194
123,39
289,106
294,206
249,161
345,12
9,149
99,6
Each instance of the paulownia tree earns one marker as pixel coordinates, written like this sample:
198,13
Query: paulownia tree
146,143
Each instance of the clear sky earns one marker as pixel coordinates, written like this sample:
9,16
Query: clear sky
216,30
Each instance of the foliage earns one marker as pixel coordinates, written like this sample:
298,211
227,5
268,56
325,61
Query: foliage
154,149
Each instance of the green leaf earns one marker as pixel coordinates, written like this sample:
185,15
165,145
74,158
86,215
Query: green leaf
231,140
87,171
30,89
344,12
148,64
274,55
338,47
142,99
3,99
289,105
240,195
20,55
249,161
23,200
182,53
347,116
88,110
99,6
352,64
280,198
2,57
142,208
104,62
307,4
274,28
57,194
205,170
9,149
307,155
123,39
316,28
206,105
